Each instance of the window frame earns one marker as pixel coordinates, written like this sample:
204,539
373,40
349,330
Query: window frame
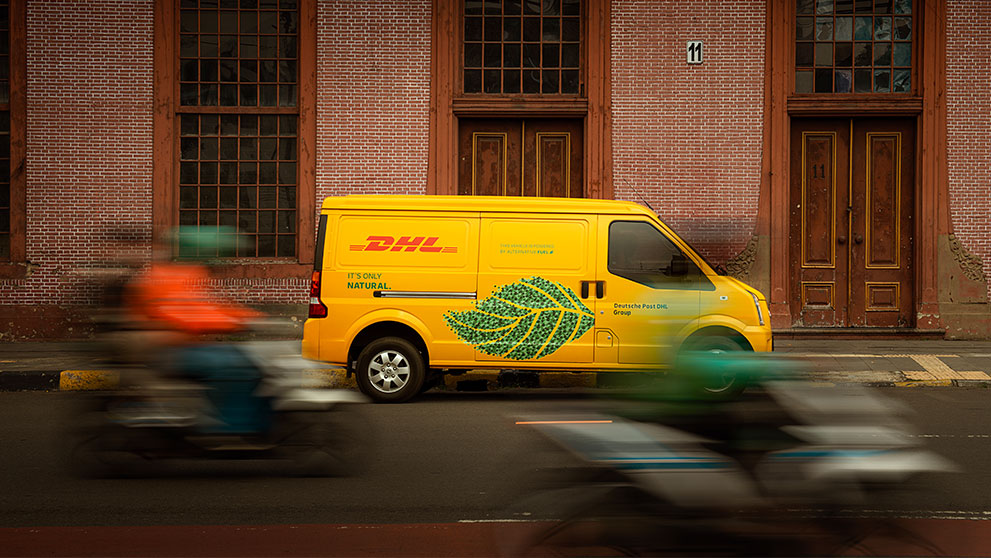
16,266
166,121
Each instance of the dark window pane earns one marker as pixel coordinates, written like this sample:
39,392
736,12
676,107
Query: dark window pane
287,47
248,173
551,56
209,147
228,95
473,29
268,125
249,46
511,81
901,55
531,29
189,70
208,70
249,95
843,81
249,125
190,125
268,70
187,46
288,22
862,54
287,196
287,95
287,71
228,200
247,199
552,29
249,23
247,221
268,149
552,7
903,28
268,197
208,46
804,55
571,7
268,173
571,29
844,54
531,56
824,29
228,149
805,6
187,217
249,149
512,7
268,22
492,79
882,54
208,173
844,6
863,6
228,173
511,56
287,125
901,81
228,22
187,197
570,55
862,81
511,29
473,81
551,82
473,55
903,6
287,246
266,246
228,46
268,47
209,125
268,95
531,81
188,21
824,7
862,28
493,29
882,6
208,197
803,81
493,55
570,82
246,246
287,173
882,81
824,80
287,149
228,70
188,148
208,94
804,29
266,221
249,70
208,21
882,28
824,54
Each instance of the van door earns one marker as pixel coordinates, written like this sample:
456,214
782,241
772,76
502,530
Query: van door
649,293
530,275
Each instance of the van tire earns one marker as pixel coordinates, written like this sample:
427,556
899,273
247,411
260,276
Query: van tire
390,370
727,387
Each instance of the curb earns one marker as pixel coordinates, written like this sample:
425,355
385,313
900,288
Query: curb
475,380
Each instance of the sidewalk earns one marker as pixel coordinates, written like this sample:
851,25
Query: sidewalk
72,365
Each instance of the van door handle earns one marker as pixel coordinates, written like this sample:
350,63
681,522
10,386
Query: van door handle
600,289
585,289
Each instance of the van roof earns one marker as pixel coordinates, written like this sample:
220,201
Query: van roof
481,203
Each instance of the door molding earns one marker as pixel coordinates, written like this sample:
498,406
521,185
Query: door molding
926,104
447,104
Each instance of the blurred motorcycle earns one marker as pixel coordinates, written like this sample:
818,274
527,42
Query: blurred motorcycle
774,473
156,419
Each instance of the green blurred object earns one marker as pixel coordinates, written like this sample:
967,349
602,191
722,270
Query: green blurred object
195,243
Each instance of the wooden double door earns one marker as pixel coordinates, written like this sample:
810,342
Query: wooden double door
852,226
520,157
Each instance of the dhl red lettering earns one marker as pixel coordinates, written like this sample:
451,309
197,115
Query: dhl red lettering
407,242
379,243
428,245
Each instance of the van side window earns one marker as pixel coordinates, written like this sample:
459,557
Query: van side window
641,253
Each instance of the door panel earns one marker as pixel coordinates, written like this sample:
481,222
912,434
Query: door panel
852,188
512,157
882,227
819,190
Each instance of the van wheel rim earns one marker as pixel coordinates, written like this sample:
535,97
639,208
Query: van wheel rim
389,371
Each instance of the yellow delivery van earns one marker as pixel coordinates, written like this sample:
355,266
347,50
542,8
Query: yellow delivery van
408,288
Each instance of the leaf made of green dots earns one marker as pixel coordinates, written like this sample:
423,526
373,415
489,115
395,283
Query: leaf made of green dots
528,319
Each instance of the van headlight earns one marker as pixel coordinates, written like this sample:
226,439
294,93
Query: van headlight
760,313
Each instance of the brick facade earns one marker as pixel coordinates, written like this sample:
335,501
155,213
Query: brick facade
968,102
688,138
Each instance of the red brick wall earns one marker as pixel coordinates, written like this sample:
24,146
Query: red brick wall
89,148
968,105
688,138
373,96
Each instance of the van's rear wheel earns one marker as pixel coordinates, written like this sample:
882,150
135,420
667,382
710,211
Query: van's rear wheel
390,370
726,383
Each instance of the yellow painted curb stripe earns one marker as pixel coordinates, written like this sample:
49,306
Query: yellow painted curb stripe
925,383
71,380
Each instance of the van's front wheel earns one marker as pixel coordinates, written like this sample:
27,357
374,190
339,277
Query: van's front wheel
390,370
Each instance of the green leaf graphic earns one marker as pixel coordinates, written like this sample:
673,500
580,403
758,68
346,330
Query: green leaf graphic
525,320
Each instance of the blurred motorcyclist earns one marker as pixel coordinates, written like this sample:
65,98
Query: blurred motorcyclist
172,306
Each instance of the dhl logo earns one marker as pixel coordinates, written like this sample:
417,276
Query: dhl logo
405,243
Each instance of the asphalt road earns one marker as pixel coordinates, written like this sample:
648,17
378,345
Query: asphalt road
449,458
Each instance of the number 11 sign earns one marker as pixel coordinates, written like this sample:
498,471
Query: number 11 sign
694,52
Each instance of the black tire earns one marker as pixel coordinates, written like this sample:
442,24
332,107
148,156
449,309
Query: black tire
390,370
725,385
